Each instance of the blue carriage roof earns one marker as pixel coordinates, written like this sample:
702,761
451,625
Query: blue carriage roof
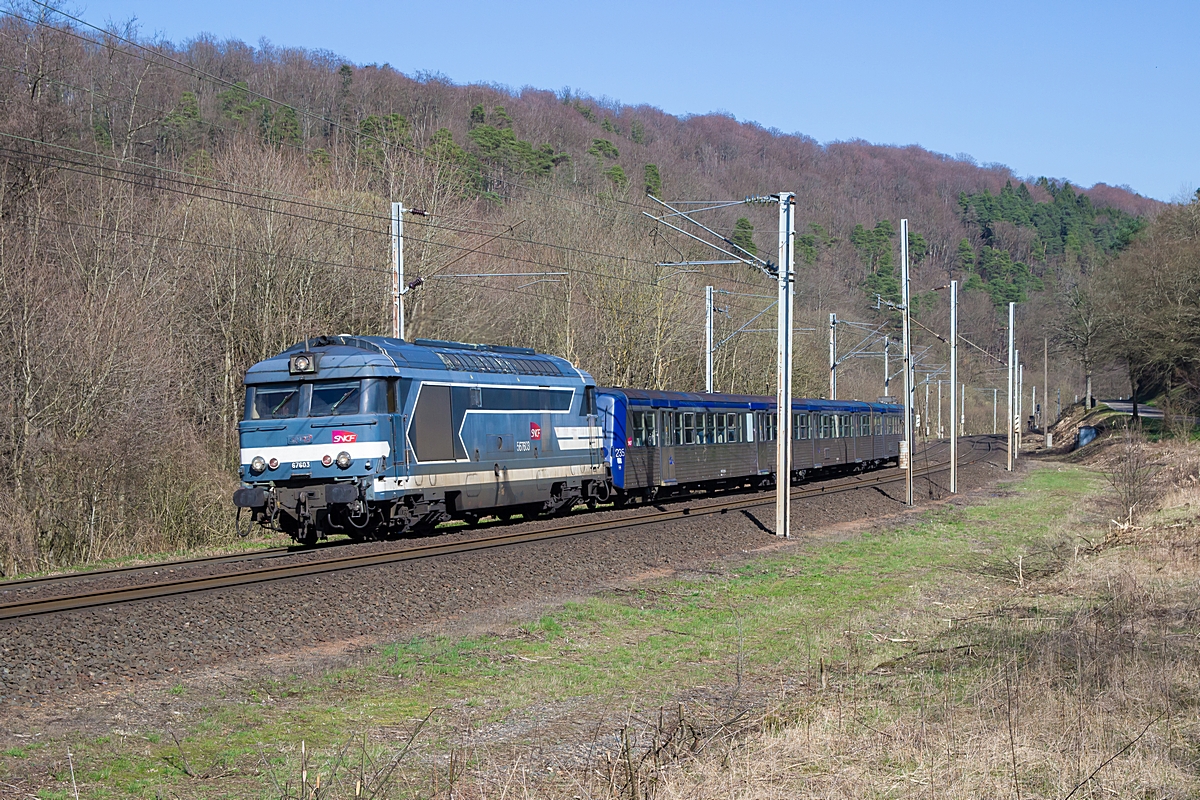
663,399
345,356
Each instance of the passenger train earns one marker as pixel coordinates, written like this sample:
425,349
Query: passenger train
376,437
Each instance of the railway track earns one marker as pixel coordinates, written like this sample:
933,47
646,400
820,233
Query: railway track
978,451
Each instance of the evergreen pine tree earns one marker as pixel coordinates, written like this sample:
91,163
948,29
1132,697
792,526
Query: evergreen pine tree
653,180
743,236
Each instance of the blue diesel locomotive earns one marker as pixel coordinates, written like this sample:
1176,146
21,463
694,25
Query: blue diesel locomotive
375,437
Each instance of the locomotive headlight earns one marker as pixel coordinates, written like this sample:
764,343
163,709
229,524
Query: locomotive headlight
344,460
303,363
258,465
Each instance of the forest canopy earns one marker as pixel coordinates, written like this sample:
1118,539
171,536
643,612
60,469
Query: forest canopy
173,213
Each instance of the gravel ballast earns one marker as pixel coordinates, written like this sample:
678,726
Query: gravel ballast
67,657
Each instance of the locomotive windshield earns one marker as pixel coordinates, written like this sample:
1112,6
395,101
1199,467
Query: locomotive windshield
320,399
274,402
331,399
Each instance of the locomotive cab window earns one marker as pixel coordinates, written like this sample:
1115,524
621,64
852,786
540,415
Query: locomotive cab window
335,398
273,402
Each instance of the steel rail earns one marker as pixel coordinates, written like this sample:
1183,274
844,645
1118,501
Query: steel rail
245,555
52,605
183,563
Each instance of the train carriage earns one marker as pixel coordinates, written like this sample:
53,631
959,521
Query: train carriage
374,437
663,442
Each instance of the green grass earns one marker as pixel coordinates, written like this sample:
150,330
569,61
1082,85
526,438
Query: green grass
772,617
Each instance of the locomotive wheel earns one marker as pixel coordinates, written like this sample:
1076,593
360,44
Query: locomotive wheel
307,534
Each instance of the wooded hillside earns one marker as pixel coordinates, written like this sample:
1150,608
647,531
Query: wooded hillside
172,214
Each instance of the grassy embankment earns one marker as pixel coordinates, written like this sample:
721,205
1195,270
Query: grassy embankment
975,651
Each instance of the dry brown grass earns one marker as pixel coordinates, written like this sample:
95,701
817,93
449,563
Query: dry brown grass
1075,678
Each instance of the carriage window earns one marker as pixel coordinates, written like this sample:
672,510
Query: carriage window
637,429
864,425
802,426
331,399
878,424
733,428
273,402
846,429
677,425
689,428
825,427
719,428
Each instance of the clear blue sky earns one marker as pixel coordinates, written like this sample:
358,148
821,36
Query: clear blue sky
1088,91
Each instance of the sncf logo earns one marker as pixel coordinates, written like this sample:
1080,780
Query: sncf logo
344,437
535,431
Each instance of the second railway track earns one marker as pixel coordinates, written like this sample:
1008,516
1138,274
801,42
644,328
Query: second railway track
980,449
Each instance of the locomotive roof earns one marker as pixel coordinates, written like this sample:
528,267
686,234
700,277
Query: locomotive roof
346,356
654,397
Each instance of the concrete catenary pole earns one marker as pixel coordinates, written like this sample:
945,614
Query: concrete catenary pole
1020,401
926,419
941,431
397,270
1011,406
1045,384
908,377
708,339
954,387
783,442
962,398
833,356
887,380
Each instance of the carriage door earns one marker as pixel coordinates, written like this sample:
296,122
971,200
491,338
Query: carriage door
766,447
666,446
